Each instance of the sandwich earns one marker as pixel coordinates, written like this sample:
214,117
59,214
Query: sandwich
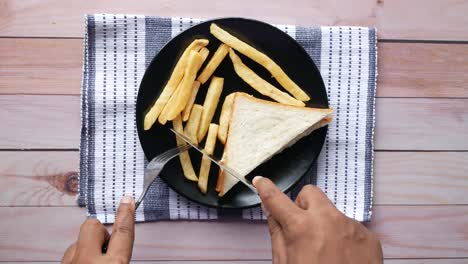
260,129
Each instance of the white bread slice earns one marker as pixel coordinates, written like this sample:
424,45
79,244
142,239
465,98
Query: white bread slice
259,129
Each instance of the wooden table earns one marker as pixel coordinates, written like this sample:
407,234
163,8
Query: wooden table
421,166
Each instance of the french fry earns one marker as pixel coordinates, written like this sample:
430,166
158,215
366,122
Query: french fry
204,52
191,128
206,162
214,62
260,84
184,157
225,117
163,116
195,87
183,95
260,58
193,96
210,104
176,77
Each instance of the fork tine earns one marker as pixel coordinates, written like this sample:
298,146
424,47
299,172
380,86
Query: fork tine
169,153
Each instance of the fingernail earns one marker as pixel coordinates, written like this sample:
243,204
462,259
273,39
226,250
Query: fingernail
127,199
256,179
265,211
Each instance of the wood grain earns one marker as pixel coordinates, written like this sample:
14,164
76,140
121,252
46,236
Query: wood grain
405,69
34,121
38,178
396,19
422,231
422,70
421,178
404,232
41,66
401,123
401,178
421,124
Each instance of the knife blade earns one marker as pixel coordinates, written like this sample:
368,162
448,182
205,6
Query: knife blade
231,172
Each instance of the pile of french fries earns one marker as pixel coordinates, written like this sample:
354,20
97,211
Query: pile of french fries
177,100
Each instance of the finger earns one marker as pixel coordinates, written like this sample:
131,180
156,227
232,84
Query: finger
92,236
311,197
280,207
123,231
69,254
278,243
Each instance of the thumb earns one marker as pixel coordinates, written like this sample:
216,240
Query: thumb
278,204
123,231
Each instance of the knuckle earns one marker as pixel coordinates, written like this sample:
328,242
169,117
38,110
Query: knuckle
295,224
274,230
310,191
336,216
270,195
125,229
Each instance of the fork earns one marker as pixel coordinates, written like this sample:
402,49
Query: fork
155,167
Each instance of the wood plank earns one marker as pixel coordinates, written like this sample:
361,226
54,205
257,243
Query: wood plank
396,19
401,178
403,230
421,231
38,178
421,124
421,178
45,238
401,123
422,70
40,66
34,121
405,69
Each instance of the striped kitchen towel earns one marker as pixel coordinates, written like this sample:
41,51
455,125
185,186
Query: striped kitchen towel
117,50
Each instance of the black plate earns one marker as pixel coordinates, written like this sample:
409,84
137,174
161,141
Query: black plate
286,168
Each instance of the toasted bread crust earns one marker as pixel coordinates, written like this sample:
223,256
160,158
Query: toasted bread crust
220,187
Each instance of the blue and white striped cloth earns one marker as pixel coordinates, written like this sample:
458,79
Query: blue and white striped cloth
117,50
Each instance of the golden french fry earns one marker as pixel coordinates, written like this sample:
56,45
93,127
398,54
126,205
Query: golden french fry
193,96
193,63
206,162
214,62
204,52
176,77
210,104
225,117
163,116
191,128
260,58
184,157
260,84
196,85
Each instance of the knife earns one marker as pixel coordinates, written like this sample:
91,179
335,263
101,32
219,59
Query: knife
231,172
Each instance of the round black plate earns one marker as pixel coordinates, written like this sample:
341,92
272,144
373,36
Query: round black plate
286,168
